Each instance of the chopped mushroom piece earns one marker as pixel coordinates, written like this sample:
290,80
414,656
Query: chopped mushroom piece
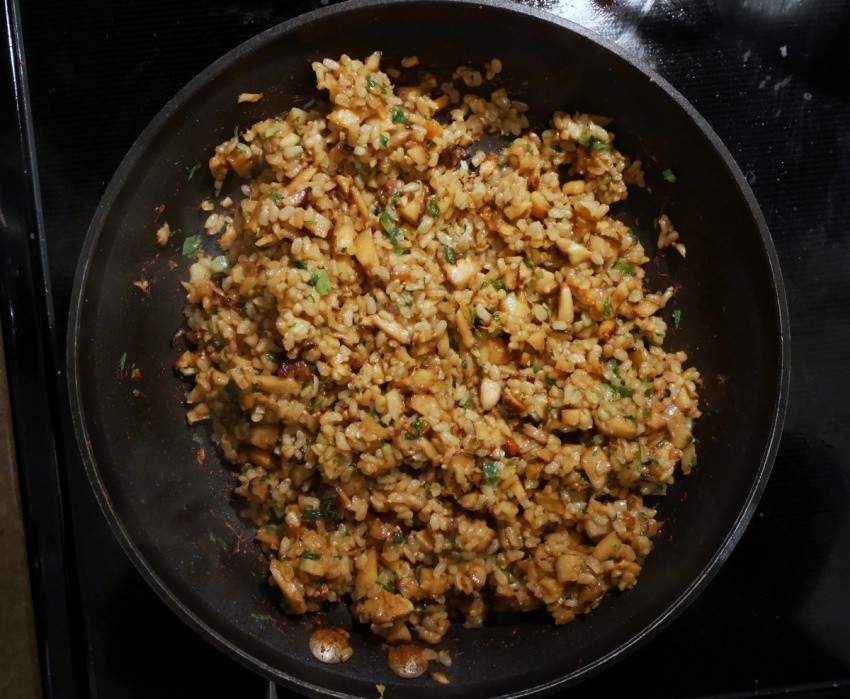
490,392
391,327
163,234
461,272
365,250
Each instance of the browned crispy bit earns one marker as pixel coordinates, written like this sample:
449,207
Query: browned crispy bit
452,156
511,447
298,370
512,403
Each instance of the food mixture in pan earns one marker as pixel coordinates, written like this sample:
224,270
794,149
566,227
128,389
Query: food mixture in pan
436,370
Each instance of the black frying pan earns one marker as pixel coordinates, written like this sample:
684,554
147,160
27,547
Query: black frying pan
175,517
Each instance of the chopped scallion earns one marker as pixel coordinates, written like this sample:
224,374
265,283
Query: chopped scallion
625,267
398,116
191,170
492,471
320,282
677,318
191,245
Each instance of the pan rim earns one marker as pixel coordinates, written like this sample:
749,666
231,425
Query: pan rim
137,150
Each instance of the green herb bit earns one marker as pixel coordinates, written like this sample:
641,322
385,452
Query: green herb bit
191,245
551,380
387,221
677,318
191,170
371,83
392,231
310,556
450,254
277,195
270,357
621,390
465,363
219,264
398,537
535,367
320,282
416,432
607,311
433,207
428,493
631,231
594,143
614,366
327,508
387,579
398,116
310,515
492,471
395,237
197,439
300,264
384,138
625,267
669,176
528,262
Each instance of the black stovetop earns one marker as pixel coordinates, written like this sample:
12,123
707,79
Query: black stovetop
771,77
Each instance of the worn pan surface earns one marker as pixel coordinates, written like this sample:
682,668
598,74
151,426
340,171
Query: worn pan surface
176,519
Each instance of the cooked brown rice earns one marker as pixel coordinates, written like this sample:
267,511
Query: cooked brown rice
437,368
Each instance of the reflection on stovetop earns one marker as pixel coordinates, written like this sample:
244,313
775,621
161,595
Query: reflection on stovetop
768,75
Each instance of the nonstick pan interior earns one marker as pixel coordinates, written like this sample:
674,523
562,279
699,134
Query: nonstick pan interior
175,517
